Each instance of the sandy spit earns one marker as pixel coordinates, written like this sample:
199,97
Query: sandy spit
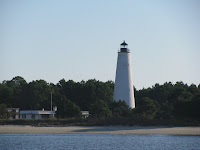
102,130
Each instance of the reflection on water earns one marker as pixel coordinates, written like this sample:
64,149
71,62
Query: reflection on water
97,141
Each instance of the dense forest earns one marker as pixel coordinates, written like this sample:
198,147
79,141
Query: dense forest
167,101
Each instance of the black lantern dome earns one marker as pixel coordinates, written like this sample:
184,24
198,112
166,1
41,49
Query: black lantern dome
124,47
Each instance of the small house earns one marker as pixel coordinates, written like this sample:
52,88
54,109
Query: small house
14,112
85,114
36,114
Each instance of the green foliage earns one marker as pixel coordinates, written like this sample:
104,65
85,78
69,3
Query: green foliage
39,94
167,101
194,105
84,93
4,112
146,108
120,108
189,108
67,109
100,109
165,110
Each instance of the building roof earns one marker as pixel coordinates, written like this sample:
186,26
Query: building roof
124,43
85,112
13,108
40,112
16,110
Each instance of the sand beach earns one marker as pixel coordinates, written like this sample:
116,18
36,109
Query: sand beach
102,130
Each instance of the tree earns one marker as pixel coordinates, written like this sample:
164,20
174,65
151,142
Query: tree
38,95
17,91
100,109
165,110
194,105
67,109
120,109
3,112
5,94
161,101
146,108
190,108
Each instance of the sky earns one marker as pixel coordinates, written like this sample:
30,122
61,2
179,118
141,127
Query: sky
79,40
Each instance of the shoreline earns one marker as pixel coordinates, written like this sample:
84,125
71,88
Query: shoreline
142,130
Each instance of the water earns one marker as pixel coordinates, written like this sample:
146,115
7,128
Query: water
97,142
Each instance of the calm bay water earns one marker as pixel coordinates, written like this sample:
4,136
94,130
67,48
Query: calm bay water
97,142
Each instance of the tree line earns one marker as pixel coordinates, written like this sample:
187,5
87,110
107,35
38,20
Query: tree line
167,101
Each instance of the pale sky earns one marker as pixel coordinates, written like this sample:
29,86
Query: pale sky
79,40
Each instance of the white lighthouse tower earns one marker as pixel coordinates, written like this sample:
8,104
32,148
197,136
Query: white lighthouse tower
123,89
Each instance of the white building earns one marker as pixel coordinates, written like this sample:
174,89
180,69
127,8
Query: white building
32,114
36,114
85,114
123,89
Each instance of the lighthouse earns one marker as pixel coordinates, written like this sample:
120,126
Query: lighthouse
123,89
